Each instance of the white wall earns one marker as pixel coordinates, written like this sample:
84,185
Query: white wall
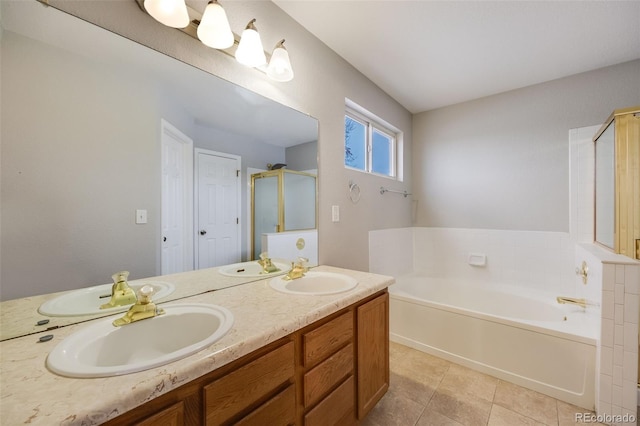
68,197
322,82
79,156
502,162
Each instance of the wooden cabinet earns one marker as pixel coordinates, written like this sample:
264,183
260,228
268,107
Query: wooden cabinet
373,352
170,416
331,372
227,398
327,372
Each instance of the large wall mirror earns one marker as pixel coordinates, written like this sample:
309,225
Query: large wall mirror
82,113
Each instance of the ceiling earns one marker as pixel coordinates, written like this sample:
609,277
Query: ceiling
429,54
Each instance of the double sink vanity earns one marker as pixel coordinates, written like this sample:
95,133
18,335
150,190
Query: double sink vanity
312,350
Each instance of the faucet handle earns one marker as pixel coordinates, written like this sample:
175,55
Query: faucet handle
145,293
120,277
302,261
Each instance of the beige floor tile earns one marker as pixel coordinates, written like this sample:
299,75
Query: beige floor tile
463,408
501,416
461,380
394,410
410,388
433,418
418,366
567,414
527,402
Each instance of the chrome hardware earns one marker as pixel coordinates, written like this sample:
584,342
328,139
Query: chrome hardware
144,308
583,271
121,293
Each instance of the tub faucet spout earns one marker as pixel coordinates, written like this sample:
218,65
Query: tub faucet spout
573,301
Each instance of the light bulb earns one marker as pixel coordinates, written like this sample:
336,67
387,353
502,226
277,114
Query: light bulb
172,13
279,68
250,51
214,29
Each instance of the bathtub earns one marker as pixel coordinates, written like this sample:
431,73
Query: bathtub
509,332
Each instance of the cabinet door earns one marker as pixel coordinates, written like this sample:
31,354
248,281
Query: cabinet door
373,352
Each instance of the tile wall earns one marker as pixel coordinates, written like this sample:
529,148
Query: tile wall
616,383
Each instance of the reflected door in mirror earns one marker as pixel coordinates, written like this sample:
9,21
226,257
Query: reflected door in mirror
218,197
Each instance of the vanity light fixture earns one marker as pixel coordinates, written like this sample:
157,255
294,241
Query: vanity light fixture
172,13
279,68
214,30
250,51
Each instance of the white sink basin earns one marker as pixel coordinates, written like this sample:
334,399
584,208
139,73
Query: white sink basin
87,301
315,283
252,269
101,350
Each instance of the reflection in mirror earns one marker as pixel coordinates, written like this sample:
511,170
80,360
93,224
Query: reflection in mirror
283,203
605,187
81,158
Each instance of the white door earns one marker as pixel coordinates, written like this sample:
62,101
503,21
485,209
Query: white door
176,216
218,209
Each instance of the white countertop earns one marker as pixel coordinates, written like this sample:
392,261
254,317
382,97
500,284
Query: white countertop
30,394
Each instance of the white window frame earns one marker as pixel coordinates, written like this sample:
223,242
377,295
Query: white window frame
373,123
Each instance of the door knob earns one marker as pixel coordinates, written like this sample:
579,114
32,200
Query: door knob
203,232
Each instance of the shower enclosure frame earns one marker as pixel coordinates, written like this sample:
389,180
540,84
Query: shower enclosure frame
280,226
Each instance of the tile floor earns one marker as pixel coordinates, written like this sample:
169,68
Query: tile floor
428,391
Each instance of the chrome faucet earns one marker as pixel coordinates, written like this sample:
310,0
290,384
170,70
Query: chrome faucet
121,293
573,301
144,308
297,269
266,263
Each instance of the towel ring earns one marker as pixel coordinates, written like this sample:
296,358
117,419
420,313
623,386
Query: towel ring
354,192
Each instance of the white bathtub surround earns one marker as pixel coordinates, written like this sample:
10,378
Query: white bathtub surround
391,250
616,381
532,264
531,259
526,339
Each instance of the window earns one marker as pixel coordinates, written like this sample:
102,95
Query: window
369,146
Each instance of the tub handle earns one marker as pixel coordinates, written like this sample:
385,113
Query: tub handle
583,271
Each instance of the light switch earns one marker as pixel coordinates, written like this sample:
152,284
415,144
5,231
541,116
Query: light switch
335,213
141,216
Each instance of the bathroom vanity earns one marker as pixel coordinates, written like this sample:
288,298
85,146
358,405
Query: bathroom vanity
288,359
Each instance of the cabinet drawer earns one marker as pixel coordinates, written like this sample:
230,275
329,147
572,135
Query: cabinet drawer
335,409
327,374
278,411
326,339
170,416
233,393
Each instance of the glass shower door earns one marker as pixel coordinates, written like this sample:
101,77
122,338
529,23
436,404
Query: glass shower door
265,209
